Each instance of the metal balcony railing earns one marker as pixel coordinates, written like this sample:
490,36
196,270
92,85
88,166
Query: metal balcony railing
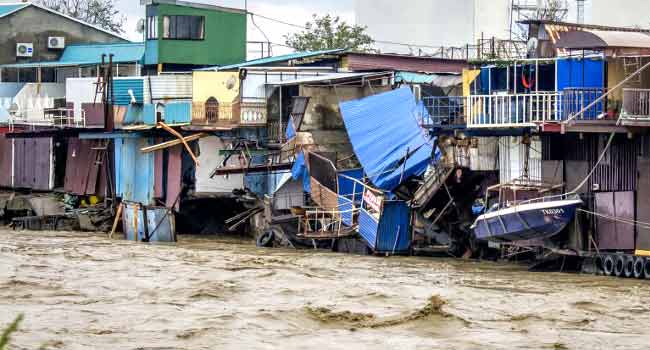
51,117
443,111
636,104
511,111
575,100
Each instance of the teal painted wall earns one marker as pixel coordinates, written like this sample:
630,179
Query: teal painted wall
224,43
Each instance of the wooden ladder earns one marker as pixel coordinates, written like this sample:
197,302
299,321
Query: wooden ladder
631,65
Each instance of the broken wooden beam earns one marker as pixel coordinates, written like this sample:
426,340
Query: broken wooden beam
170,130
172,143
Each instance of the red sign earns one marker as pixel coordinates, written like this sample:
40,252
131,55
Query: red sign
372,200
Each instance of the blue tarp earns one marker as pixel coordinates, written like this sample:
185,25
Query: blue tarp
291,130
384,132
299,170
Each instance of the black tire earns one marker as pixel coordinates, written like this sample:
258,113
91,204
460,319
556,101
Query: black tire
265,240
599,263
646,268
639,263
608,265
628,269
619,267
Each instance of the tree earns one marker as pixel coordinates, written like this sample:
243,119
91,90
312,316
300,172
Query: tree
101,13
329,32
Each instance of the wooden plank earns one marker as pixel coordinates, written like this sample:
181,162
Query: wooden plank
180,137
173,143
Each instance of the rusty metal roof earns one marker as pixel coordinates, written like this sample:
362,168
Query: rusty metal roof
374,62
580,26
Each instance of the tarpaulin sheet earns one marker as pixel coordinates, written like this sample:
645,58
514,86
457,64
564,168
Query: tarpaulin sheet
387,138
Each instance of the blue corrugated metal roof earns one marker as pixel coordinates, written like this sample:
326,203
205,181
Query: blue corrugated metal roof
90,54
275,59
10,8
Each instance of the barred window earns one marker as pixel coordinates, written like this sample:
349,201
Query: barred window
152,28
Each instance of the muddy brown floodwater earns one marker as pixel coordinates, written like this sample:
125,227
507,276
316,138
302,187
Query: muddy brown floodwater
87,292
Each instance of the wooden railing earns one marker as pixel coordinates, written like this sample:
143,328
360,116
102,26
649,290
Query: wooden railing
636,104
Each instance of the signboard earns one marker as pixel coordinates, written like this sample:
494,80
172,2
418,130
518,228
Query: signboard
372,200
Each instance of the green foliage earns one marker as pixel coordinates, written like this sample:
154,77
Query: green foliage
101,13
6,334
328,32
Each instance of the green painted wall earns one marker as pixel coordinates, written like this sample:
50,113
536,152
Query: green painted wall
224,43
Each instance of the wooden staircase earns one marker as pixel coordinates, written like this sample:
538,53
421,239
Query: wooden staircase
432,184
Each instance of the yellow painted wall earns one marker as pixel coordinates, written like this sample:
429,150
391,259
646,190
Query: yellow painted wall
224,86
616,74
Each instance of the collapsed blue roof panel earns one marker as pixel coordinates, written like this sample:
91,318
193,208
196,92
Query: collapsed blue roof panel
387,138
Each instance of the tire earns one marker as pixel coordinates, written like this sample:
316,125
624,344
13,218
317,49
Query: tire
265,240
646,268
628,269
619,267
608,265
599,263
639,263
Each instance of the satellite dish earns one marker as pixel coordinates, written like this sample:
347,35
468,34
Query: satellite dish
140,26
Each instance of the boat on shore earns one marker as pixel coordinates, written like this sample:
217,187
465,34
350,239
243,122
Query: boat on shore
533,219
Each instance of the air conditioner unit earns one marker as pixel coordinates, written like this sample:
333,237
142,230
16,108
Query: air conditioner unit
56,42
24,50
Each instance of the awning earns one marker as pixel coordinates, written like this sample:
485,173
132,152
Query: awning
439,80
600,39
329,78
387,138
90,54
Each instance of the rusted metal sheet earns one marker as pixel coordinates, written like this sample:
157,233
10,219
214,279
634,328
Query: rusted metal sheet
643,203
94,114
148,223
323,196
6,159
33,163
611,234
174,177
84,167
366,62
158,161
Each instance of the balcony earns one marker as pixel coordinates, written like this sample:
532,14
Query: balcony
636,107
31,120
229,115
444,112
513,111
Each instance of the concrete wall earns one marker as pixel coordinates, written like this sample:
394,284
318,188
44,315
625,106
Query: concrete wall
432,22
35,25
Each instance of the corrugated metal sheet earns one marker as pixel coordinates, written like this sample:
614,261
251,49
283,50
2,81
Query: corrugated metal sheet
485,156
178,113
276,59
168,87
160,223
121,89
6,161
134,170
174,177
368,227
616,173
512,155
94,114
34,163
366,62
138,114
92,53
82,171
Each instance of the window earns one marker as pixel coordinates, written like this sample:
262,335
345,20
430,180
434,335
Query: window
184,27
152,28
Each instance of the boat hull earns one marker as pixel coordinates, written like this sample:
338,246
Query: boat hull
526,222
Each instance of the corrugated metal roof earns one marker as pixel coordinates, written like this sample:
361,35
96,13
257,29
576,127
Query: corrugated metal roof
588,39
325,78
90,54
10,8
275,59
367,62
